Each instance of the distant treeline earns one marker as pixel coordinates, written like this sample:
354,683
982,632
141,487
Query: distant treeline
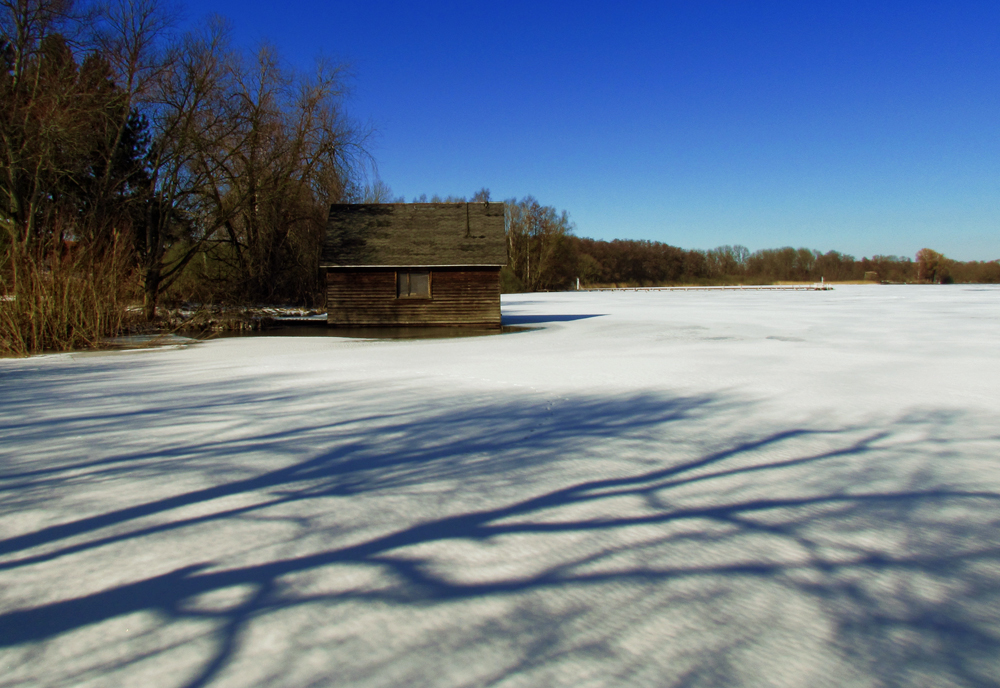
545,255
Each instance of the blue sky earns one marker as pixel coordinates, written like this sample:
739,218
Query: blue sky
864,127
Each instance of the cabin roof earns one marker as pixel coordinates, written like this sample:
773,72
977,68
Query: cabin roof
414,234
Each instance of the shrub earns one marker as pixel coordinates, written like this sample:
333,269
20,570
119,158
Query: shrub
61,299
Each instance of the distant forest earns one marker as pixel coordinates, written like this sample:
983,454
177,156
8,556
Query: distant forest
144,166
546,255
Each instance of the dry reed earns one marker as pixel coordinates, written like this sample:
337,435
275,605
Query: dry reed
59,300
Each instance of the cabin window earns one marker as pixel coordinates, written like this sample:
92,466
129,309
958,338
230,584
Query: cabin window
413,285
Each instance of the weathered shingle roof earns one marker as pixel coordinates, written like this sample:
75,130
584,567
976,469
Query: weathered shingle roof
411,234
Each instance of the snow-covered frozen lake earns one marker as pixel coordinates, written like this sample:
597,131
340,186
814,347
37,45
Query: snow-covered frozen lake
651,489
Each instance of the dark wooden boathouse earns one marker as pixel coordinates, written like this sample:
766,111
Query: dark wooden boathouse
414,264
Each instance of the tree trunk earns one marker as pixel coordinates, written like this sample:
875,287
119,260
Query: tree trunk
151,290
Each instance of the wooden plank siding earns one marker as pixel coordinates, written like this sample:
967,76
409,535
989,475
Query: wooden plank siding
460,296
461,245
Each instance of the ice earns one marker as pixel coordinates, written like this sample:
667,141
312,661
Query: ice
663,489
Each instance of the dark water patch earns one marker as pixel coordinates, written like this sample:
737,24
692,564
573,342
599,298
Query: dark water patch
515,320
321,329
132,343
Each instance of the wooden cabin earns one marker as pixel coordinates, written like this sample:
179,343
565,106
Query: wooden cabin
414,264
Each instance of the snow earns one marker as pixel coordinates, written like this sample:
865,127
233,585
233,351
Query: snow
649,489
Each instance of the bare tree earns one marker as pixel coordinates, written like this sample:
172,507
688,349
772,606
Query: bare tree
40,126
70,140
932,266
112,126
190,135
291,152
540,254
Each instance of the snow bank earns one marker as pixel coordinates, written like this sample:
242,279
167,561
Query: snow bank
681,488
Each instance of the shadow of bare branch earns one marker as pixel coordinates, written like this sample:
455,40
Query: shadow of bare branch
638,539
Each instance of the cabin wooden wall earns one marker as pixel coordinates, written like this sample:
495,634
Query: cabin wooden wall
367,297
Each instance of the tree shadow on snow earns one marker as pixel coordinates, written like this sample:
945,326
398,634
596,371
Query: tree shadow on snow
818,515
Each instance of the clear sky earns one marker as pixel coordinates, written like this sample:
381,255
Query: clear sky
865,127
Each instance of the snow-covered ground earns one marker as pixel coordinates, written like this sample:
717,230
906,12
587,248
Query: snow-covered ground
651,489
